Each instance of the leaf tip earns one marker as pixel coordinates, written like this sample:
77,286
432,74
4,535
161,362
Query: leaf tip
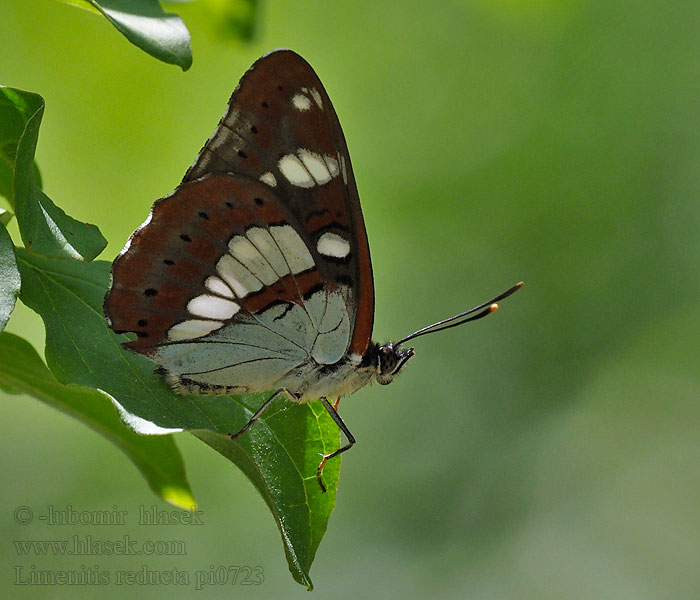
178,496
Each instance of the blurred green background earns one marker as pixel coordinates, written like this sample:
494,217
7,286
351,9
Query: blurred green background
550,451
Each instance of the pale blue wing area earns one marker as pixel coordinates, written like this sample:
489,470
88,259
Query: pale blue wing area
252,365
333,329
321,329
280,347
255,374
290,322
207,354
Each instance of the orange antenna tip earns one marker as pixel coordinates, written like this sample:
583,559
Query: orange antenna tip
483,310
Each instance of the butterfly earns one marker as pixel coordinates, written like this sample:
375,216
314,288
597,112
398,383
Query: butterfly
254,274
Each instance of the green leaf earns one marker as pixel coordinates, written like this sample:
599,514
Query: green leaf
9,277
84,4
144,23
14,111
44,227
231,18
5,216
279,454
157,457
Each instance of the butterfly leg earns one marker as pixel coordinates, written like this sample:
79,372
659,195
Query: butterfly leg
257,414
331,408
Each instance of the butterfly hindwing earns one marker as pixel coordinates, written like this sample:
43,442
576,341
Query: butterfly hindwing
259,260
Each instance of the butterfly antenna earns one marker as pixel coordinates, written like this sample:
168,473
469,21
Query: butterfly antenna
483,310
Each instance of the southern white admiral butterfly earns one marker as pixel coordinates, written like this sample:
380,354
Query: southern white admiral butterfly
254,274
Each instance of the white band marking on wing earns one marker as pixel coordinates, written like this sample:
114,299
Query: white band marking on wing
249,256
268,178
237,276
301,102
331,244
315,164
295,172
292,246
193,328
212,307
217,286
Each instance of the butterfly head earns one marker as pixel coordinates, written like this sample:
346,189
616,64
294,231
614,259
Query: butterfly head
390,359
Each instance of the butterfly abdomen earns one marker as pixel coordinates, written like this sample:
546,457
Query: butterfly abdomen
182,385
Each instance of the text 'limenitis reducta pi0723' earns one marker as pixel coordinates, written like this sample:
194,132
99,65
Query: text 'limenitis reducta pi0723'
254,274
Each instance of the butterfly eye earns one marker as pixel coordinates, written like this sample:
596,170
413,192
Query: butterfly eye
386,363
391,360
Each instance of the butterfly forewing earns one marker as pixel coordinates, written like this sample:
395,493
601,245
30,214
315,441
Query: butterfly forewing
281,128
259,260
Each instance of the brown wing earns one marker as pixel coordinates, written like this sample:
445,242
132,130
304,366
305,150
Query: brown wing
278,157
279,109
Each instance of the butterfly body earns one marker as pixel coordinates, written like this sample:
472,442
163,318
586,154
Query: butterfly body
307,381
